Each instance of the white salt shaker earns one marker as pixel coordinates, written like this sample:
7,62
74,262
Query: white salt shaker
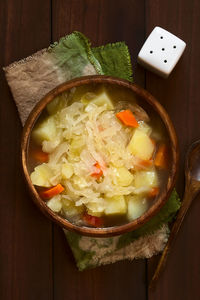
161,52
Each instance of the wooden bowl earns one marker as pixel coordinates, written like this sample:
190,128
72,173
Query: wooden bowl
148,98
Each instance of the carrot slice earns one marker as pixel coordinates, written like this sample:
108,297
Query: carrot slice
143,164
154,192
127,118
49,193
40,156
147,163
99,173
161,157
92,220
153,142
100,128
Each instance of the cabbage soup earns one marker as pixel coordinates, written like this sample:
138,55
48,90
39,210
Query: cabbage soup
98,156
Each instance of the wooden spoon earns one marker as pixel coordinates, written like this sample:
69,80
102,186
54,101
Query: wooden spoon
192,188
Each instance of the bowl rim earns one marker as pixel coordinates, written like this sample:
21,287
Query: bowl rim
115,230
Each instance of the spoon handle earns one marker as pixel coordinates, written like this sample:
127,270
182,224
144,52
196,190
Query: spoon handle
187,200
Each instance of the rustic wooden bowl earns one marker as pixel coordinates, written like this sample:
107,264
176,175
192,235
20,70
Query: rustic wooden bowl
138,91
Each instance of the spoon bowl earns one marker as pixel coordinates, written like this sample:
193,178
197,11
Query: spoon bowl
192,167
192,189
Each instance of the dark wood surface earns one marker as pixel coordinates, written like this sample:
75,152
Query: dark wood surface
35,260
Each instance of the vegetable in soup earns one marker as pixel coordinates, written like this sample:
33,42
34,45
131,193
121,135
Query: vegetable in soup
97,158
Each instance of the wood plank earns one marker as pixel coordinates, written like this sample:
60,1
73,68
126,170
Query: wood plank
180,95
25,234
122,280
102,21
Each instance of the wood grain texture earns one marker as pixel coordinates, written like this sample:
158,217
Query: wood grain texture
180,95
26,252
102,21
25,235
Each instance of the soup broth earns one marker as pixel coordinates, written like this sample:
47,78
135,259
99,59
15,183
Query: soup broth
99,155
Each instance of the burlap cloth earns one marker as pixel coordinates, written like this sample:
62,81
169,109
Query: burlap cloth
30,79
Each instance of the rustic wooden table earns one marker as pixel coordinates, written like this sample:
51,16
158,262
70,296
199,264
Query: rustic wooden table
35,260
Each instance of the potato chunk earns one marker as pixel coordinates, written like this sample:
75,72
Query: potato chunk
136,207
57,103
141,145
95,209
103,99
145,127
99,100
79,182
146,179
115,205
67,171
77,145
41,175
45,131
69,208
122,176
55,203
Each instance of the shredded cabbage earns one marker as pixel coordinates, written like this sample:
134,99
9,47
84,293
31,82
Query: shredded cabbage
87,134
